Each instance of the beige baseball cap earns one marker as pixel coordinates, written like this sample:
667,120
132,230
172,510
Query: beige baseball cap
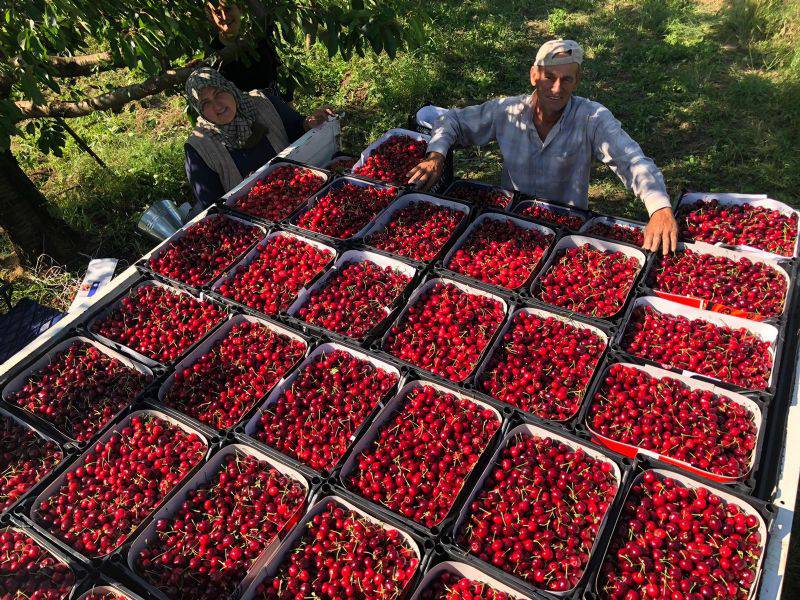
546,56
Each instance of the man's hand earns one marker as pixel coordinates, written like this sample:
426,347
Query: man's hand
661,232
318,117
428,172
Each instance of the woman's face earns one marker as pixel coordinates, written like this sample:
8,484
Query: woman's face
217,105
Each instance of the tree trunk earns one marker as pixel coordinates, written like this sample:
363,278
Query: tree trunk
26,220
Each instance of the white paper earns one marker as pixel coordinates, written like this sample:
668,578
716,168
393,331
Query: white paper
98,273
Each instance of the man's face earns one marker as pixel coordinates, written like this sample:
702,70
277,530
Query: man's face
554,85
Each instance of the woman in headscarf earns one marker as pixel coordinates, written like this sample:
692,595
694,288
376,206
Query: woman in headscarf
236,133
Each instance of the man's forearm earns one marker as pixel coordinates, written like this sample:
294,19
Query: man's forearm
473,125
442,138
655,200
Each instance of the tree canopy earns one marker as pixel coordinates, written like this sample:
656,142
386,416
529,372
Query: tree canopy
44,41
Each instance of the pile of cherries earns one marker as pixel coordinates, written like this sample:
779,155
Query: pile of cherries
752,287
423,453
674,541
270,283
393,159
500,252
543,366
119,483
158,322
739,225
589,281
95,595
25,459
482,196
343,555
560,217
614,231
222,384
205,250
709,431
206,547
346,209
355,299
445,330
417,231
449,586
539,512
734,356
314,419
282,190
29,571
80,390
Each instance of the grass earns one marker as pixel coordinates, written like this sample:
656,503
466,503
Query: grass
710,90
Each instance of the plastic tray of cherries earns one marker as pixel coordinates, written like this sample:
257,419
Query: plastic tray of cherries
745,284
76,388
733,352
568,218
108,493
356,298
268,279
202,249
219,383
276,190
539,510
501,250
317,412
420,455
480,195
29,458
33,567
701,428
233,511
417,227
751,222
156,323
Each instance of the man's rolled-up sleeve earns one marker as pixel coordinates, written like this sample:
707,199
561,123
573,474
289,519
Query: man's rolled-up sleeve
615,148
470,126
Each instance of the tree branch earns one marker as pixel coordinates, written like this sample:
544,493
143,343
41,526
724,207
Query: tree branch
110,100
76,66
118,98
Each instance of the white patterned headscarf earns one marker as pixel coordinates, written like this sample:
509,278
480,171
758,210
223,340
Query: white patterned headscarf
236,133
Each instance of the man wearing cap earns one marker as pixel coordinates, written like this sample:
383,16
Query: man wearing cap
548,139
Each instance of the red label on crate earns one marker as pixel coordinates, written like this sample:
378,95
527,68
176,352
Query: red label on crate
706,305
